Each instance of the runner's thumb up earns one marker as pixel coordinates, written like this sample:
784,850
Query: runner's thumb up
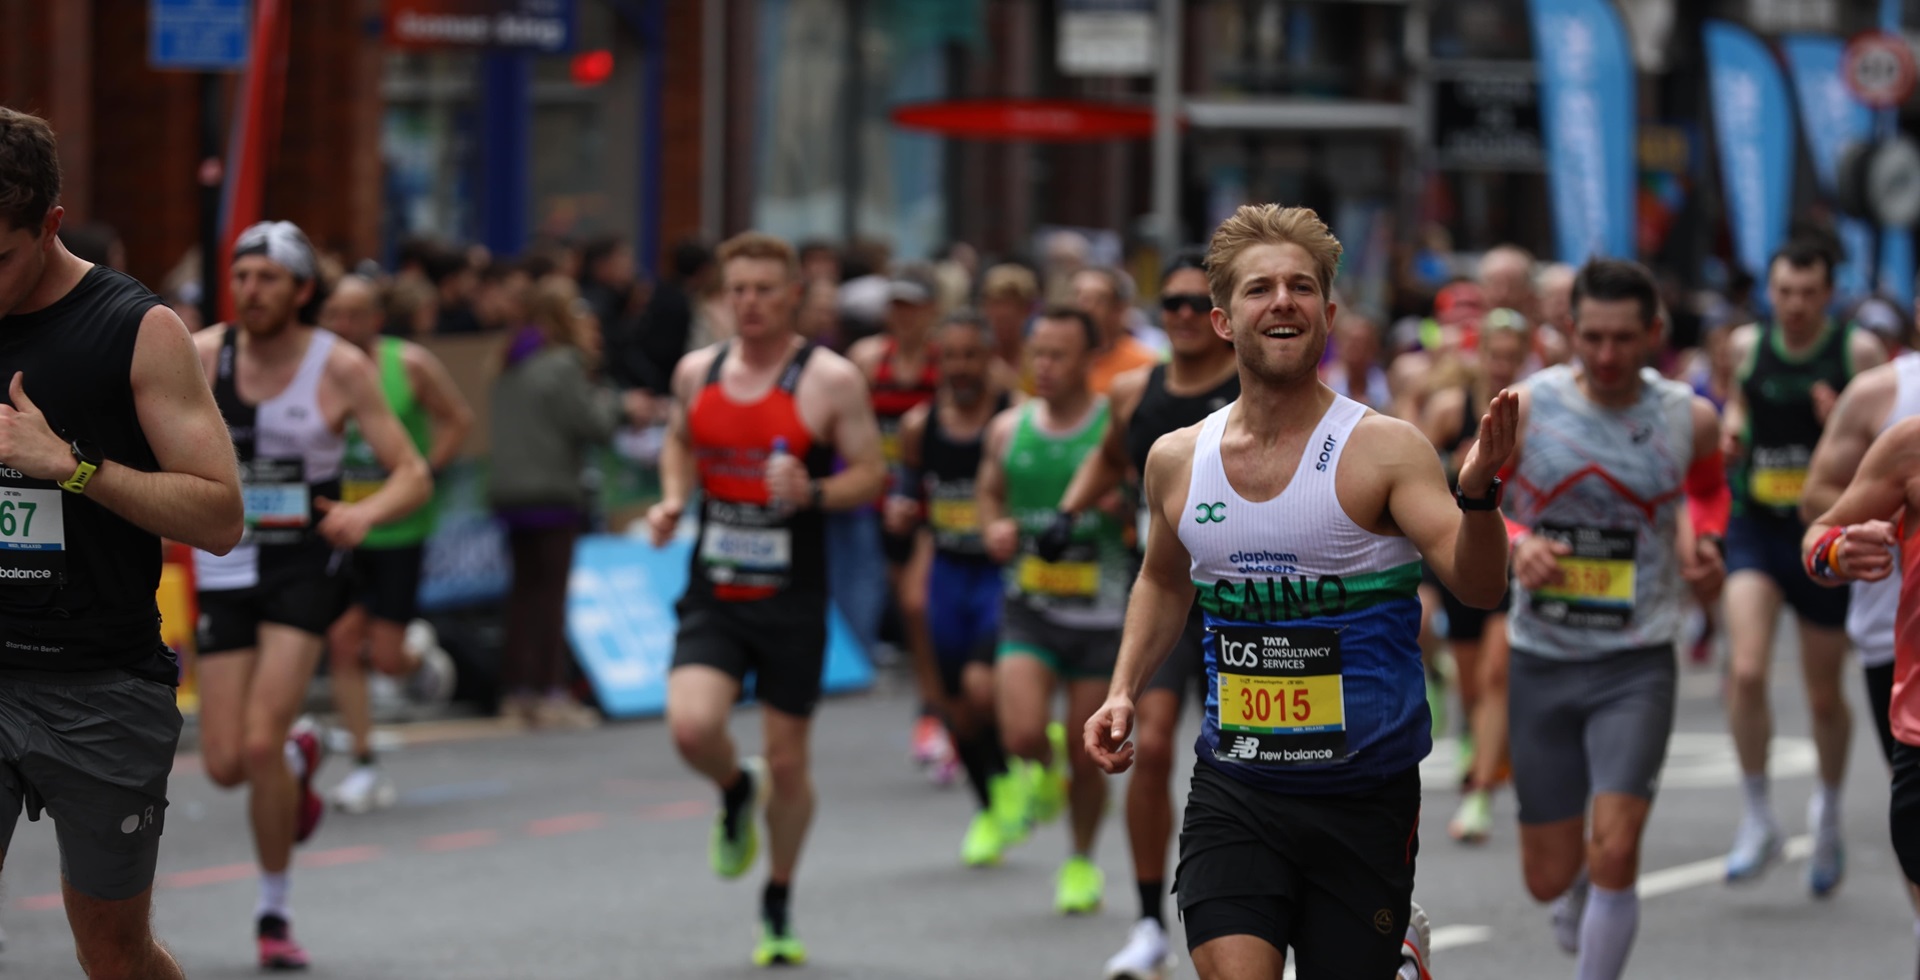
17,393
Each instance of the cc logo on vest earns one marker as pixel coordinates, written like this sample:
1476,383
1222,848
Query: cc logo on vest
1212,513
1239,654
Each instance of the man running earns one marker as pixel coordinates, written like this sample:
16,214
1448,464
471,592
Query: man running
902,369
1105,294
951,584
1875,400
755,425
119,446
386,566
1299,518
1869,535
1061,621
287,391
1201,378
1792,370
1609,461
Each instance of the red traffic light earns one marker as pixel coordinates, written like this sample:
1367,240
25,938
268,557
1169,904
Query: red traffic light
592,68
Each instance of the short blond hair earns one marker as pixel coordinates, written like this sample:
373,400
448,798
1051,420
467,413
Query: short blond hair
1268,224
1009,281
759,245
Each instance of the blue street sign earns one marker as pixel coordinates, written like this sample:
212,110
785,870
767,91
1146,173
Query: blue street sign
198,35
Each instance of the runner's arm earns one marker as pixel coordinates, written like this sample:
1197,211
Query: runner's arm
1156,610
452,416
905,507
1854,539
1467,549
677,474
194,498
990,488
856,437
1701,531
1102,471
1733,421
1844,441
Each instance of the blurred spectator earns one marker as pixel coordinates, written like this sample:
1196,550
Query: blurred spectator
667,324
1555,286
412,308
547,412
1063,256
96,242
1008,293
454,283
819,261
492,299
1106,294
1886,319
1355,371
865,293
819,316
608,286
1506,280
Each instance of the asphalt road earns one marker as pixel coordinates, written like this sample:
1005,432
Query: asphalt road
519,856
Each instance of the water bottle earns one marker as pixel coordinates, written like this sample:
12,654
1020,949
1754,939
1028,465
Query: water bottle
774,503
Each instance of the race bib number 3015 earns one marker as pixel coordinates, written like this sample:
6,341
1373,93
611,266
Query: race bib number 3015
1282,701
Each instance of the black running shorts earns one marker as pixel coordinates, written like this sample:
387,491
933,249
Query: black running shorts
781,641
386,582
1904,809
1329,876
1880,703
308,600
94,751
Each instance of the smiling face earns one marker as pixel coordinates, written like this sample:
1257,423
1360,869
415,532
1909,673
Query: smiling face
1278,314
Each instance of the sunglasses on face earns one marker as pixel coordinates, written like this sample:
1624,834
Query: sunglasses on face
1197,302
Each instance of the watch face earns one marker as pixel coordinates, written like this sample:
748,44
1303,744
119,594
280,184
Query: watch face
85,451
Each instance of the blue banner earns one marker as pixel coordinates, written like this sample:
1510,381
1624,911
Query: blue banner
1833,120
1896,264
621,620
1587,109
1753,122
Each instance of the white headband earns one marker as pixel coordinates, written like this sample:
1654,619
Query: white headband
282,242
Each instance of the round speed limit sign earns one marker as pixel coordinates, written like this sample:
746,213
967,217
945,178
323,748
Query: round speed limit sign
1879,69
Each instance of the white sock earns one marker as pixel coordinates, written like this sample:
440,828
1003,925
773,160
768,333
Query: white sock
1606,932
273,895
1823,816
296,760
1756,789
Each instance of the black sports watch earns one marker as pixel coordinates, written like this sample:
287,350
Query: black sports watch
816,495
1489,502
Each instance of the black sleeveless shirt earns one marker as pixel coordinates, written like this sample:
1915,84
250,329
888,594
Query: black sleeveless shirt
77,581
1781,426
947,470
1160,412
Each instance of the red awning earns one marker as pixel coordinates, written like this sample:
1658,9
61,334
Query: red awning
1056,120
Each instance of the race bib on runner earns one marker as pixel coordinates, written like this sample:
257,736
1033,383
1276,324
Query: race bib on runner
1596,586
1074,579
359,484
1779,476
277,502
1282,700
746,547
33,534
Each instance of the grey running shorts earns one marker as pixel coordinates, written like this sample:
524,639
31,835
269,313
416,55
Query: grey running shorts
1072,653
94,750
1579,728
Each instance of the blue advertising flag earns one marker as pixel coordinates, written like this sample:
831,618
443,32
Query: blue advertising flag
1753,122
1896,264
1587,108
1833,120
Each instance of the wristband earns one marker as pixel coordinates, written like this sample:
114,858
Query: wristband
1823,558
815,495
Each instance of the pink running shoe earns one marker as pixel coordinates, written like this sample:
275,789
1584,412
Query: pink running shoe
311,806
278,951
930,743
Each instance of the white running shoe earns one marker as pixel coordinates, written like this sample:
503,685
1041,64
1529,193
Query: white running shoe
1568,910
1756,845
1416,950
1144,957
433,681
364,790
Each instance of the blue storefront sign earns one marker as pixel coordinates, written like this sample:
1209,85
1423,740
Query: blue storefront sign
197,35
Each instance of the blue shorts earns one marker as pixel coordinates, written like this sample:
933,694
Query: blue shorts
1772,548
963,614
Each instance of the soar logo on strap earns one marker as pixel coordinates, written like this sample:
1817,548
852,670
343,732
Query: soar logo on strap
1213,513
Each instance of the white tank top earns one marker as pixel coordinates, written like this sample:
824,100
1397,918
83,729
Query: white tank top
289,426
1870,616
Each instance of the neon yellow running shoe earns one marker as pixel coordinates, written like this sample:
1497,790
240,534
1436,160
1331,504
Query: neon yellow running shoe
1057,740
983,844
1080,887
1047,791
777,950
731,849
1011,804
